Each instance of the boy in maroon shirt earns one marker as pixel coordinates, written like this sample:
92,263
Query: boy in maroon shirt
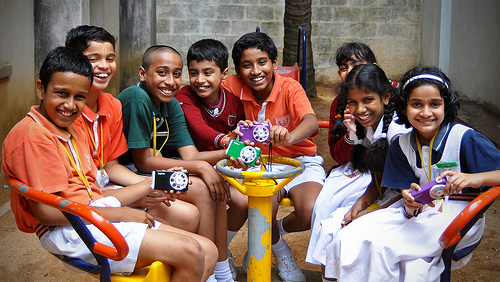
212,113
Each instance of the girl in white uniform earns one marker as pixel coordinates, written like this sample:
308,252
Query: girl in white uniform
400,243
365,100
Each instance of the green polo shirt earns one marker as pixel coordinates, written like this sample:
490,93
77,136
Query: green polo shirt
139,116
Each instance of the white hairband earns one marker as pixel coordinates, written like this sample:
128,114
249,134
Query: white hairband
425,76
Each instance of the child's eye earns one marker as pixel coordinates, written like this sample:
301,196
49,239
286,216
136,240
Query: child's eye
92,59
262,63
343,68
246,66
161,72
110,59
193,73
177,74
415,104
436,105
80,97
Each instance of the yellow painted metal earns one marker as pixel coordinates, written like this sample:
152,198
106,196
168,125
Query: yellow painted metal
259,251
259,191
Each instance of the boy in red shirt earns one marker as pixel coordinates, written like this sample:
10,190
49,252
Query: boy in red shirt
212,113
282,102
47,152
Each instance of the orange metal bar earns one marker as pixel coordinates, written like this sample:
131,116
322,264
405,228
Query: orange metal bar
323,123
451,235
120,249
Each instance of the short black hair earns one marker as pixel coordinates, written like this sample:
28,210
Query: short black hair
357,49
257,40
450,96
81,36
209,50
147,58
65,59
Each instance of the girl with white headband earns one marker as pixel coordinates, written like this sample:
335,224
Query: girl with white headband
400,243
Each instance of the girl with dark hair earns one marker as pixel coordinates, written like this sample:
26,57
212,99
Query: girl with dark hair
365,101
401,242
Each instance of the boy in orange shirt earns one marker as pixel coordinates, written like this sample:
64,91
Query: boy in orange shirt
282,102
102,120
47,152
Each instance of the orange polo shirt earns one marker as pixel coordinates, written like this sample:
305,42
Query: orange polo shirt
286,105
32,153
110,115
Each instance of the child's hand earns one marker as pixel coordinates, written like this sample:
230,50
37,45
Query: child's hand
280,136
349,120
135,215
219,190
237,163
458,181
352,214
410,202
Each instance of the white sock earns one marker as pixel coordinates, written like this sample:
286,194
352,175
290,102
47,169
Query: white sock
281,248
280,227
211,278
230,236
222,271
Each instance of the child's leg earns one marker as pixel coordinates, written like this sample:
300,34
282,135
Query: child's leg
237,213
192,257
304,196
199,195
180,214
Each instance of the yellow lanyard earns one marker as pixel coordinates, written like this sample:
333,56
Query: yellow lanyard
430,155
154,137
79,171
101,155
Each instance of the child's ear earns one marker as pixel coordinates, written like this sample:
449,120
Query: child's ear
387,98
142,73
275,64
39,89
225,74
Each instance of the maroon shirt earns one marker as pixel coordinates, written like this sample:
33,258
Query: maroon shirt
207,127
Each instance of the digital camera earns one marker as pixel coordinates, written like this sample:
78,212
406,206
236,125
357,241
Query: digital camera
248,154
170,180
258,133
429,192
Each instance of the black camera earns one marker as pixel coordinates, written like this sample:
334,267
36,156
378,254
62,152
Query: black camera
170,180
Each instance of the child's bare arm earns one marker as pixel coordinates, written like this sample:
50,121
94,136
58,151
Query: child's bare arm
120,174
458,180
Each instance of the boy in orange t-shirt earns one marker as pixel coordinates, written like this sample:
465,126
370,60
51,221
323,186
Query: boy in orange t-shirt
103,122
47,152
280,101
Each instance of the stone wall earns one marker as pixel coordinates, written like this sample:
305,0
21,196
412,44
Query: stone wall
390,27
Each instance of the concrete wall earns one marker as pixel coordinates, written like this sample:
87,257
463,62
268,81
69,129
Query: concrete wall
462,38
390,27
17,46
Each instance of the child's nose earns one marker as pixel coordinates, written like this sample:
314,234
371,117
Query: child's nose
102,64
70,104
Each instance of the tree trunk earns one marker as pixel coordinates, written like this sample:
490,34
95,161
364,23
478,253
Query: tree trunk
298,13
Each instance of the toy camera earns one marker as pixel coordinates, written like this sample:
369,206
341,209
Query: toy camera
170,180
431,191
248,154
258,133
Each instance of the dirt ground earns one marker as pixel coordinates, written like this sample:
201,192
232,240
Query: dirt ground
23,259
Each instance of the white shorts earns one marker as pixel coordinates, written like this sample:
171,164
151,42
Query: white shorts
313,171
64,240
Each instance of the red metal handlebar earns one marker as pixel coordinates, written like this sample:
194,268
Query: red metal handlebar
452,235
120,249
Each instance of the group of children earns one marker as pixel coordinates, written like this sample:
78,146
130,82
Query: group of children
387,138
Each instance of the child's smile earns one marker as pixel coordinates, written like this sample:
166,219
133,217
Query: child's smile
205,78
425,111
65,97
102,57
163,77
256,70
367,108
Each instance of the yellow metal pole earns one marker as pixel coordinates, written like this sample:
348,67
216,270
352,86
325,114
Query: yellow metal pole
259,238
